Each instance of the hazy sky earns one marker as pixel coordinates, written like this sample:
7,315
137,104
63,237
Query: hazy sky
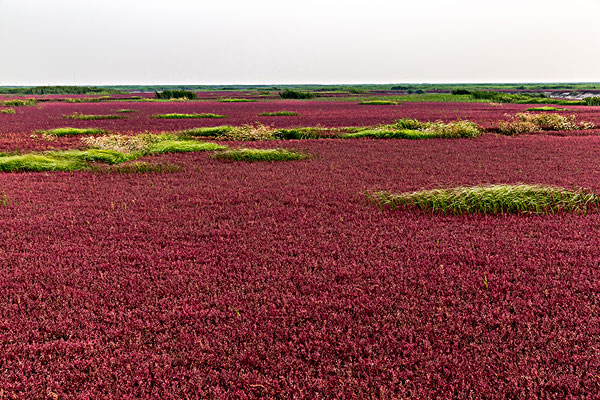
308,41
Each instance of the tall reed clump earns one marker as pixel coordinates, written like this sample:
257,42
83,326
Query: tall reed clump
414,129
296,94
176,94
492,199
537,122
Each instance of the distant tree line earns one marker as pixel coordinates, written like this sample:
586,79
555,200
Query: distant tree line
59,90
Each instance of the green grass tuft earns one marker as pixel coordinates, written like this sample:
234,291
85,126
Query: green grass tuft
180,146
94,155
8,111
182,116
71,131
212,131
279,114
253,155
38,162
126,110
384,133
492,199
18,103
91,117
377,103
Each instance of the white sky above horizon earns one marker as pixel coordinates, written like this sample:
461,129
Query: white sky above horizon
96,42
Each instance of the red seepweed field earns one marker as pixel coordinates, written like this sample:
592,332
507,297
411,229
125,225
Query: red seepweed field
280,280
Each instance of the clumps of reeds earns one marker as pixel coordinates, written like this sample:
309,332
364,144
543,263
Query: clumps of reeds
255,155
122,143
8,111
234,100
279,114
378,103
184,116
491,199
71,131
176,94
414,129
18,102
537,122
296,94
92,117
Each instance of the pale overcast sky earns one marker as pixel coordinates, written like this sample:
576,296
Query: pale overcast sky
308,41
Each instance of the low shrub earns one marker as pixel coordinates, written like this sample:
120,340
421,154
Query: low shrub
492,199
253,155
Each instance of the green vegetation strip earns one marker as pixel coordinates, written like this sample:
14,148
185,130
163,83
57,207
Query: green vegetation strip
238,100
546,109
492,199
413,129
71,131
279,114
118,149
91,117
182,116
377,103
253,155
8,111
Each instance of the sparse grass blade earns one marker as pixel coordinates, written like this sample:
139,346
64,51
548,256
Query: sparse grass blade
492,199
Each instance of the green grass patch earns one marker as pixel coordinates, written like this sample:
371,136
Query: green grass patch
94,155
413,129
71,131
125,110
91,117
492,199
212,131
279,114
182,116
386,133
38,162
254,155
546,109
8,111
238,100
180,146
377,103
18,103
